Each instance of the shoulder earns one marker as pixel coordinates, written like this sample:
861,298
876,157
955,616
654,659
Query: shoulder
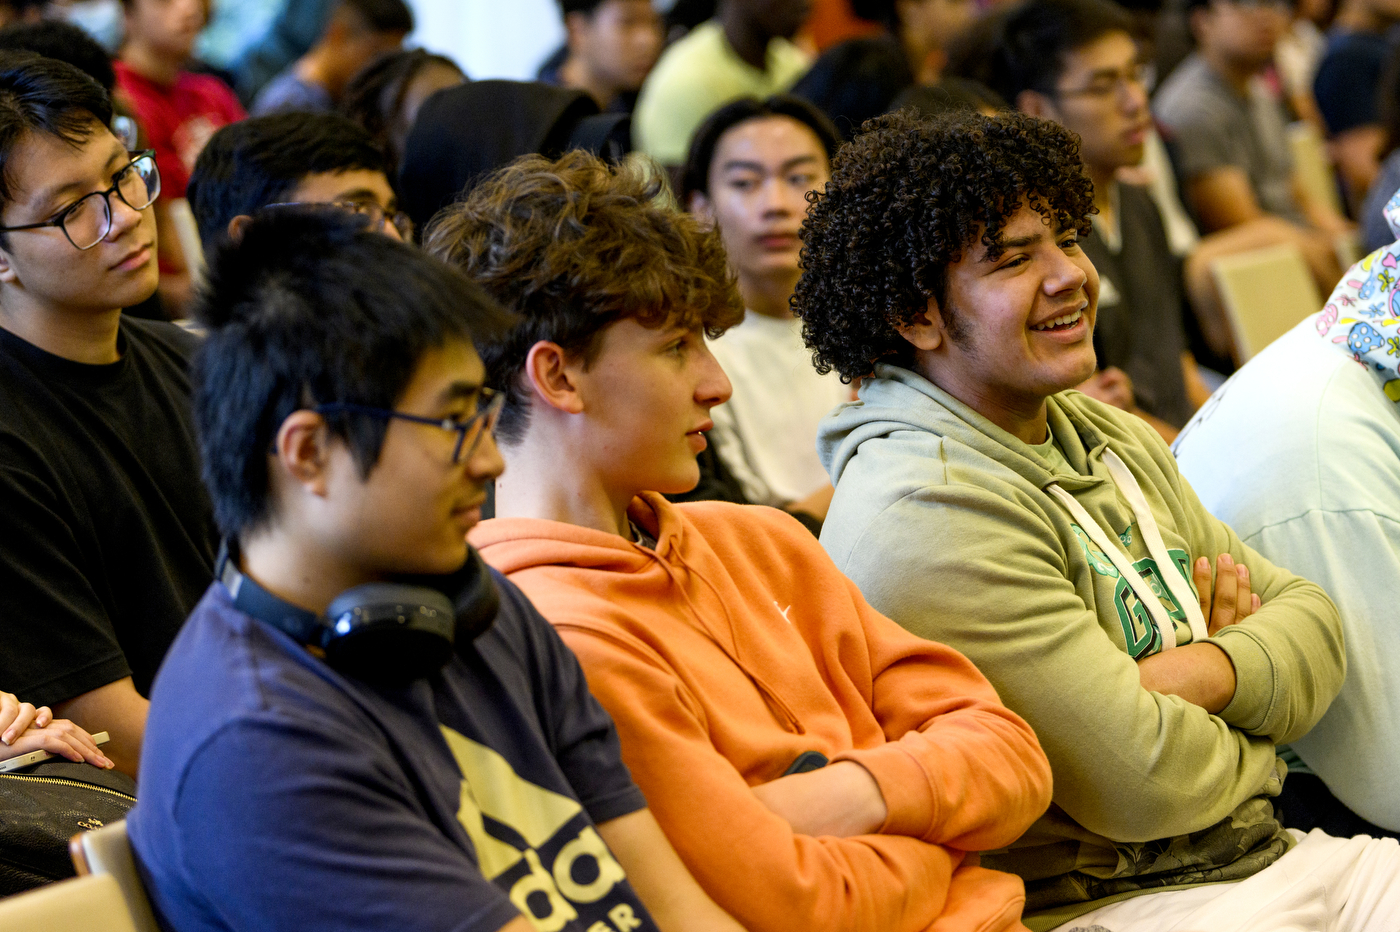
1192,95
159,338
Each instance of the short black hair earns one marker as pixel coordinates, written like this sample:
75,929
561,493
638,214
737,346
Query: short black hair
905,199
382,15
1026,47
375,95
258,161
587,7
308,308
696,175
44,95
54,38
856,80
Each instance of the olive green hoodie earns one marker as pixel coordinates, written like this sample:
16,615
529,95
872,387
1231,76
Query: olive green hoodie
950,526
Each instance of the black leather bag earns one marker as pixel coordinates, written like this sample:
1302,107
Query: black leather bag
43,806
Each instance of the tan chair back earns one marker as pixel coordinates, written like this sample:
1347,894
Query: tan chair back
107,852
1311,165
1266,292
82,904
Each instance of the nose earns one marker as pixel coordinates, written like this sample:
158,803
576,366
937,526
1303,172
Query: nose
1134,96
776,198
1066,276
713,387
486,462
124,217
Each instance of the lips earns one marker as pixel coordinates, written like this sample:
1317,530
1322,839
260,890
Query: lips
1063,322
779,241
134,259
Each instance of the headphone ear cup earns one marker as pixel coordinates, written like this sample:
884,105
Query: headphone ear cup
390,633
479,600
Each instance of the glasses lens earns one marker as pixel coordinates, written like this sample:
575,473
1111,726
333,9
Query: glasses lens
140,183
87,221
403,225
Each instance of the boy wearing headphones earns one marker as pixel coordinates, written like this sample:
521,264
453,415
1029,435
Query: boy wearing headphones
359,726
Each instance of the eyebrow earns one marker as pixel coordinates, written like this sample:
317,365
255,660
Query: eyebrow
759,166
458,390
358,194
49,195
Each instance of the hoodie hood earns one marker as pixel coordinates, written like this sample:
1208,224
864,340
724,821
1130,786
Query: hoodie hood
1362,316
897,401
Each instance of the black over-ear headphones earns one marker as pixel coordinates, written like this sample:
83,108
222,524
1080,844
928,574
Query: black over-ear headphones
383,633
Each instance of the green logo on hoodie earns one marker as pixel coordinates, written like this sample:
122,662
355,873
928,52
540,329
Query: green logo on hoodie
1139,633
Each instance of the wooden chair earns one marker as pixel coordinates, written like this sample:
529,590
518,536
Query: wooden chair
106,852
1266,292
82,904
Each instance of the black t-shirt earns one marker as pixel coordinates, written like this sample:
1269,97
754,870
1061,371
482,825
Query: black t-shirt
277,794
1348,79
107,538
1140,327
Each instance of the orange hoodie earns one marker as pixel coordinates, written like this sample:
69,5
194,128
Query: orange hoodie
737,645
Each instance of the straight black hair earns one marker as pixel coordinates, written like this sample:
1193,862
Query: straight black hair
54,38
696,175
44,95
259,161
309,307
382,15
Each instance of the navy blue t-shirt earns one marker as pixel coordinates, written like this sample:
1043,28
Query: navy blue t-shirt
1348,79
277,794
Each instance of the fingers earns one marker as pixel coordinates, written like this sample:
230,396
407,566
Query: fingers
1200,575
1244,598
1223,605
23,719
65,739
9,708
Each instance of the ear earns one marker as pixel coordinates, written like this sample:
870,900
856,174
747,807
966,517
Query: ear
8,275
1036,104
702,208
237,226
925,331
302,451
552,377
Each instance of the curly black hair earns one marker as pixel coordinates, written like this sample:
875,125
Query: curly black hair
906,197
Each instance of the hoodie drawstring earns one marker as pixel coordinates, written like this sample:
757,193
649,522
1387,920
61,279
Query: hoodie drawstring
770,694
1171,574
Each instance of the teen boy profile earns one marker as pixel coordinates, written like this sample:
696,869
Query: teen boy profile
106,535
730,652
346,439
1054,540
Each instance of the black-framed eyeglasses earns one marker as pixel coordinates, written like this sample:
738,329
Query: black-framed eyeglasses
469,432
87,221
370,210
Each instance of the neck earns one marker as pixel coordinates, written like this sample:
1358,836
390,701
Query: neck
1103,180
768,295
151,63
79,336
1024,419
315,68
1359,17
1232,73
538,484
750,43
575,73
297,571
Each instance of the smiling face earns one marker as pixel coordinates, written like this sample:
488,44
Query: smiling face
758,184
647,396
1024,321
41,269
412,513
1100,95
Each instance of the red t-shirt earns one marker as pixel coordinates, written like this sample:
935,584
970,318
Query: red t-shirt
179,118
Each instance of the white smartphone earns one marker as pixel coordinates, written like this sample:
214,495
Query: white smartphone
34,757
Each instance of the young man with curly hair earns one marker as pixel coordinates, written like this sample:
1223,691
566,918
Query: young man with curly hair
815,766
1052,539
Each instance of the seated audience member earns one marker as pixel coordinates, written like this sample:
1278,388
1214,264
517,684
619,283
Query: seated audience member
750,168
25,729
1053,540
290,158
1076,62
610,48
386,95
13,12
1298,453
107,534
745,51
357,32
179,110
1227,134
291,33
1375,228
1347,88
452,774
815,766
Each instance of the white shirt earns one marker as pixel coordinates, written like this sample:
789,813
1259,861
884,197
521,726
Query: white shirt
766,434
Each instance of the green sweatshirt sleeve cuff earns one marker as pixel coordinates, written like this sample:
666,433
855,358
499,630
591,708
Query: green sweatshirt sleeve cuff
909,799
1255,680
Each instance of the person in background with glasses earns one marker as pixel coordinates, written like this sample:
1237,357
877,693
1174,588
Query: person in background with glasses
347,440
107,538
291,159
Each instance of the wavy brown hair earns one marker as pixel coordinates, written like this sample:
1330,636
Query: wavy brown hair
905,199
572,246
